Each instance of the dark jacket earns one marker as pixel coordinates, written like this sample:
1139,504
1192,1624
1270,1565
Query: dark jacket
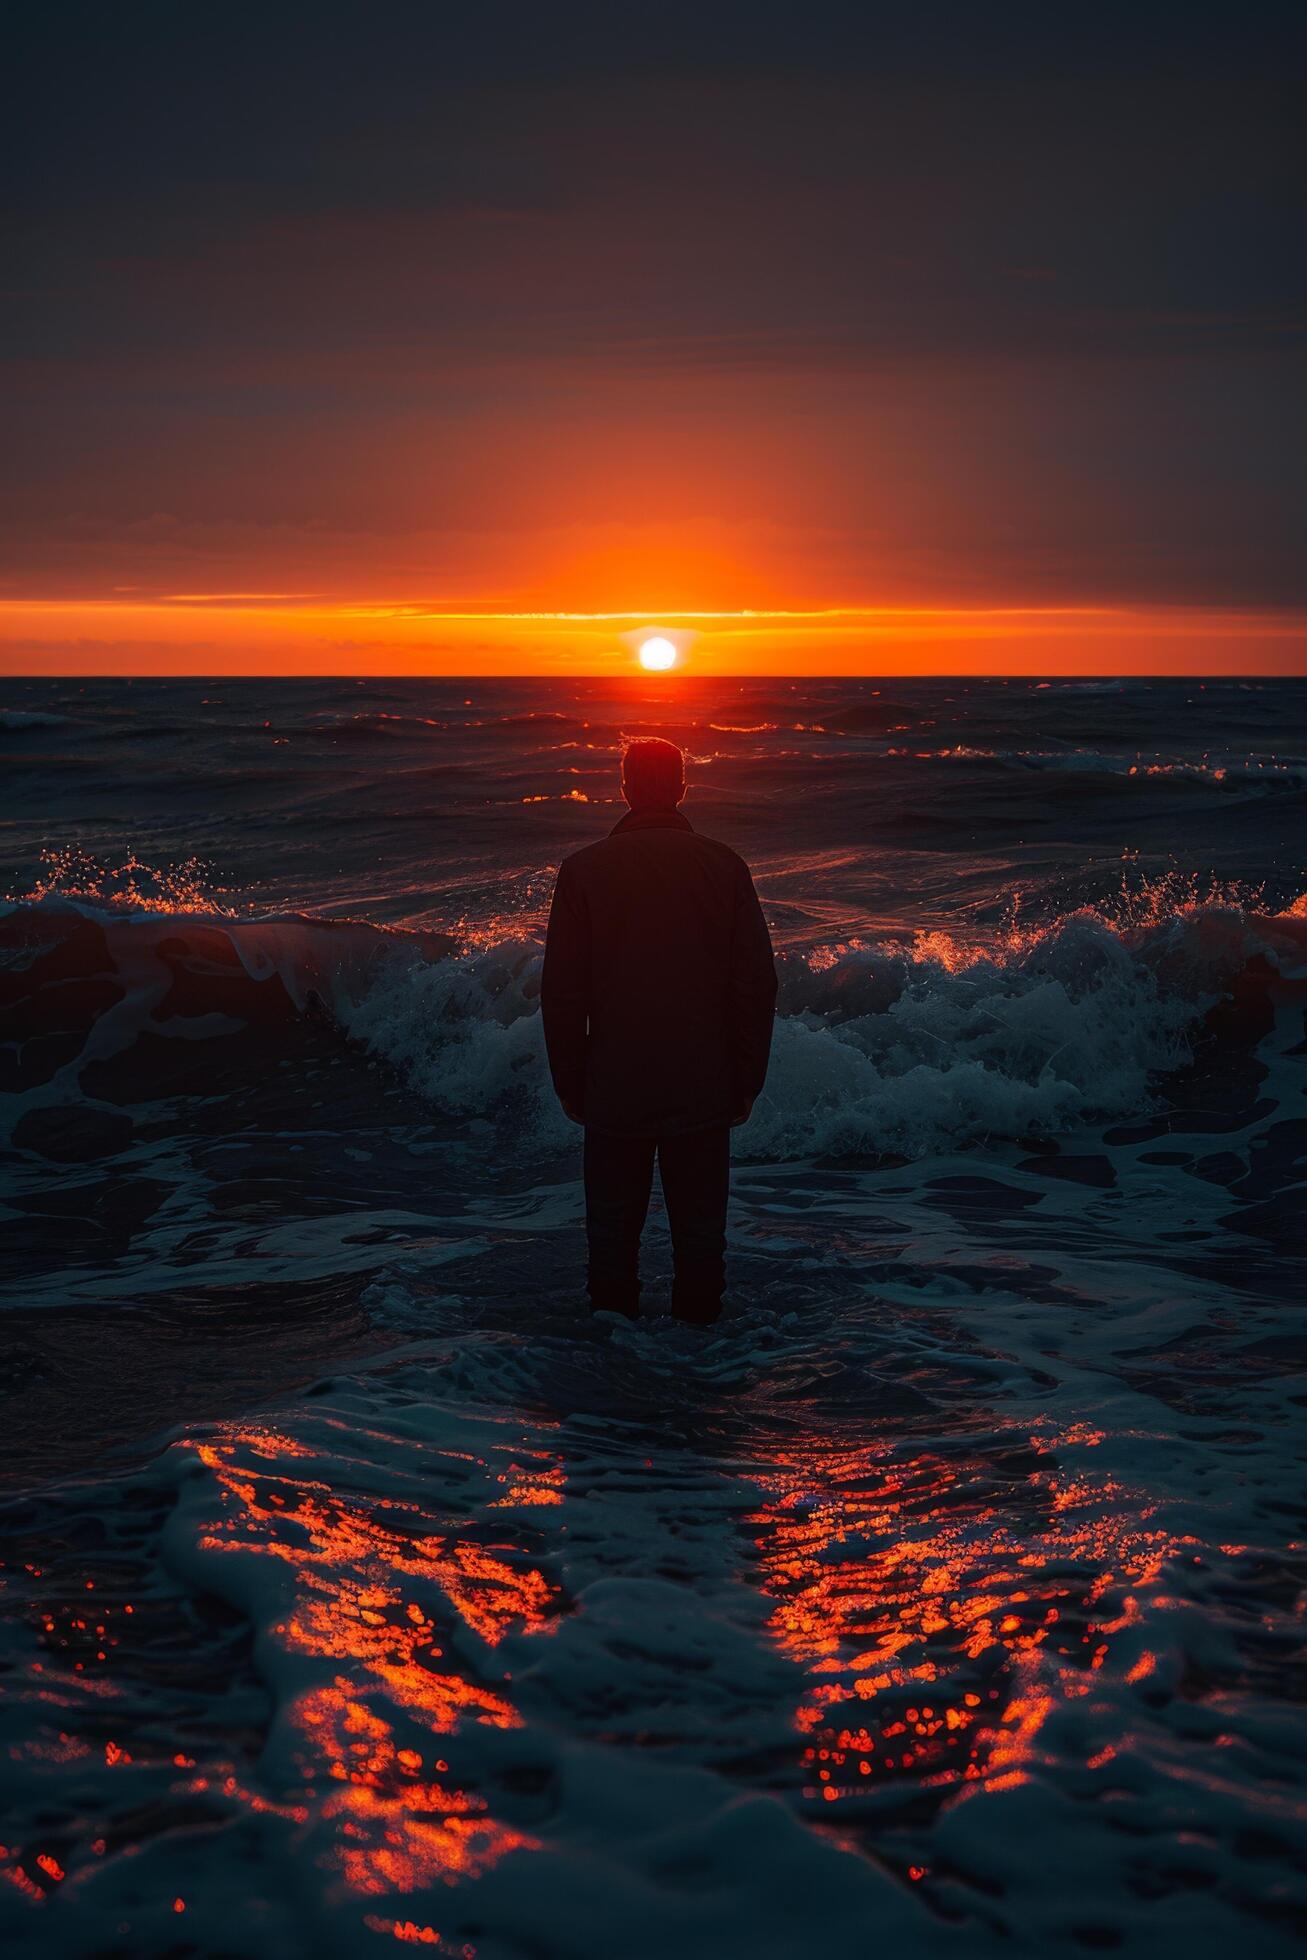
658,988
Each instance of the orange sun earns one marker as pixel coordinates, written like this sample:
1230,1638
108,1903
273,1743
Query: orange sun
657,655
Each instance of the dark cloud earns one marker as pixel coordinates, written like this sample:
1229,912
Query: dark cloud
369,269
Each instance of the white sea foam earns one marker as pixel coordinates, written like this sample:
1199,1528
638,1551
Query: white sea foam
873,1050
876,1048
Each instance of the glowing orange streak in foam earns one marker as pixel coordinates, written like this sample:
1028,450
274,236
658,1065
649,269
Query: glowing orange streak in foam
936,1583
398,1827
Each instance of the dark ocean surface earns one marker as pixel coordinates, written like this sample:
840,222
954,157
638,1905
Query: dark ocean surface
946,1598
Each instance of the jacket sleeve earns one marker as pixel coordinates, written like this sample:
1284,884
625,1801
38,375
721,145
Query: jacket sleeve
565,990
752,993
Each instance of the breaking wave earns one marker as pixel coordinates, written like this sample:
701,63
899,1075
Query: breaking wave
879,1048
884,1049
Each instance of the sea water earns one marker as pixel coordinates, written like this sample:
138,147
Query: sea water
358,1587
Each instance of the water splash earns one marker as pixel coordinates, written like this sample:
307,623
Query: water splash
132,885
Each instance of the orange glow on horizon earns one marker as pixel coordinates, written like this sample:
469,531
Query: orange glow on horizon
213,634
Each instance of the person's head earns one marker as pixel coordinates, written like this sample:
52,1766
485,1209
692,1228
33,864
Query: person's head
653,774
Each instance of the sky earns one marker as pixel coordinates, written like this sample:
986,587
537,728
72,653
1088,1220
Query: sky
850,338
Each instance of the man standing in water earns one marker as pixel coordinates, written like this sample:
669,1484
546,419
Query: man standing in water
658,995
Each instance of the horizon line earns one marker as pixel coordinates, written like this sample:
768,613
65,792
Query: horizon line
678,677
281,602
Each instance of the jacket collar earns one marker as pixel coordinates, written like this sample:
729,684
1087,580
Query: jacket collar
651,820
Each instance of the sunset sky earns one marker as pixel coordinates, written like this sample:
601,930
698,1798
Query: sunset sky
940,337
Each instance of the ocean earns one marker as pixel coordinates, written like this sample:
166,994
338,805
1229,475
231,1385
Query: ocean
357,1586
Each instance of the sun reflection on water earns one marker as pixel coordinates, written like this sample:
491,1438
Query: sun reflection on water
380,1594
386,1618
942,1605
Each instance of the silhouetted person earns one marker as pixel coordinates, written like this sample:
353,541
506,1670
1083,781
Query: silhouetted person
658,994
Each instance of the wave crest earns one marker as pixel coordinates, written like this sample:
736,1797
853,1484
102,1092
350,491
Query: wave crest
878,1048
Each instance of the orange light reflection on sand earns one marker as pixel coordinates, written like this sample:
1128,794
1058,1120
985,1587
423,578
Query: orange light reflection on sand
936,1632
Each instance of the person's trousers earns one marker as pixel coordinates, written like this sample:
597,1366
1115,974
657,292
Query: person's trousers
695,1171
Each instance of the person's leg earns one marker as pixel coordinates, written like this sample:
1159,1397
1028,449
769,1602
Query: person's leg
696,1175
618,1180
